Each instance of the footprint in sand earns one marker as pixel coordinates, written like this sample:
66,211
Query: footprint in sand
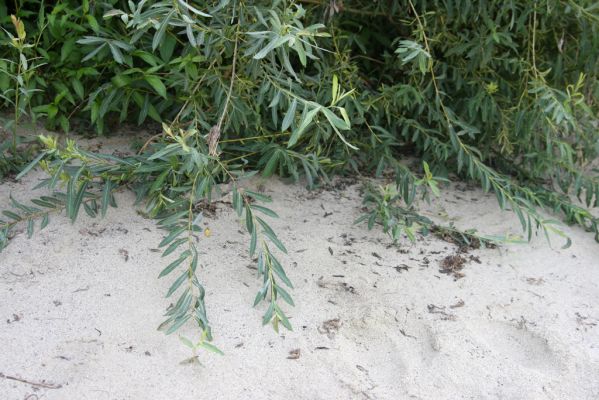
518,345
364,358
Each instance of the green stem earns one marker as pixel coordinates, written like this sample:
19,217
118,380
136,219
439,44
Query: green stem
17,111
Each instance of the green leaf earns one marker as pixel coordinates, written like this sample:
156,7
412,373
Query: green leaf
258,196
259,297
186,342
335,90
237,202
210,347
265,226
299,49
273,44
172,236
175,264
178,282
71,193
45,221
178,323
283,318
67,49
159,35
11,215
253,241
286,296
193,9
30,165
335,120
268,315
157,84
106,194
194,260
307,118
89,210
116,53
93,23
30,227
165,151
174,246
289,115
275,240
265,210
167,47
78,200
271,164
249,219
278,268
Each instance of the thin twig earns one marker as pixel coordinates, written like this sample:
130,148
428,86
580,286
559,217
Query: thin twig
215,132
41,384
227,101
148,142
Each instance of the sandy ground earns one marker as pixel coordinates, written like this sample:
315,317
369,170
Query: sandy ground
79,307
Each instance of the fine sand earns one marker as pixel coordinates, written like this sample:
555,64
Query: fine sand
80,303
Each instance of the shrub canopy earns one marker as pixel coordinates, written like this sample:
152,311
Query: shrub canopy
503,93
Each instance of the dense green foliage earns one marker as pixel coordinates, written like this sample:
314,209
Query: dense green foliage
504,93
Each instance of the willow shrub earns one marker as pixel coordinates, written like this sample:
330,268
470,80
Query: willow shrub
503,93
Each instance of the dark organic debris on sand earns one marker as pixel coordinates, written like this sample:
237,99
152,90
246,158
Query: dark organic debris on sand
294,354
330,327
452,265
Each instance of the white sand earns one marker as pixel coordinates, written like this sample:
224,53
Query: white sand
78,316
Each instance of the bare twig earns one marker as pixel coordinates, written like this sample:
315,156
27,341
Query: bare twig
42,384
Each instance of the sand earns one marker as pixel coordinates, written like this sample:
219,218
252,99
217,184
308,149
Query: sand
80,303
